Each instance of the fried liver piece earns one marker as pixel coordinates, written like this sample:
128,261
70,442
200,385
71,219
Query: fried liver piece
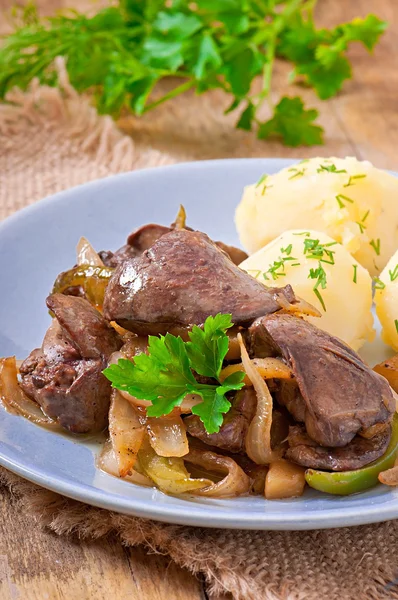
144,237
181,280
358,453
65,375
232,433
340,396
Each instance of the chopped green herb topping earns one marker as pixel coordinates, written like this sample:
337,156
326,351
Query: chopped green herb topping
341,199
330,169
365,216
321,252
256,271
352,178
394,273
379,284
277,268
305,160
307,233
265,188
361,226
320,275
262,178
355,273
313,249
376,246
287,250
396,325
297,174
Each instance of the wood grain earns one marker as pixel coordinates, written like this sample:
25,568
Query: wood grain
38,565
361,121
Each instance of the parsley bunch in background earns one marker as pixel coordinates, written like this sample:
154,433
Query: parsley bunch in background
121,54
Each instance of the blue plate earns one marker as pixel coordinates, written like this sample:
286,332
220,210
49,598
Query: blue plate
39,242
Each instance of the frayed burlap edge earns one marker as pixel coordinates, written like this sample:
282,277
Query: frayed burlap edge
74,115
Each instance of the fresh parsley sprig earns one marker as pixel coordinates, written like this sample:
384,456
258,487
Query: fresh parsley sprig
165,375
124,51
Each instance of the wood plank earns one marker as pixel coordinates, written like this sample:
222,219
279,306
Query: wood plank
367,107
38,565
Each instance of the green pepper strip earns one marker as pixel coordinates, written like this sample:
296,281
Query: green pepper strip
93,280
352,482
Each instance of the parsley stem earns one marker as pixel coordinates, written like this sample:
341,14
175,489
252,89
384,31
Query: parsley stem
309,7
279,24
268,68
180,89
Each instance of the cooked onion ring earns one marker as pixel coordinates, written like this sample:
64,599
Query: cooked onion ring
86,255
269,368
126,431
168,435
302,307
258,438
235,482
107,462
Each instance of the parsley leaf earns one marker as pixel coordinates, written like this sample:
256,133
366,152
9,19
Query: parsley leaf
211,410
326,81
320,54
208,57
121,53
367,31
293,123
208,346
246,118
165,375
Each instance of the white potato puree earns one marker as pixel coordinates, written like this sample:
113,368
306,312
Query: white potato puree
386,300
302,258
350,200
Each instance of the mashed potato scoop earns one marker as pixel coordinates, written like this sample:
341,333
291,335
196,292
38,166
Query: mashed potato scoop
322,272
350,200
386,301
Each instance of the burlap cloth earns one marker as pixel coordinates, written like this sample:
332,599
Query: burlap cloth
53,139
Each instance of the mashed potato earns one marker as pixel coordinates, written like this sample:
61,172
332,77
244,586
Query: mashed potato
352,201
386,300
311,259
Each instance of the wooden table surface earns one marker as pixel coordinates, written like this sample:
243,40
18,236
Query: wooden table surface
38,565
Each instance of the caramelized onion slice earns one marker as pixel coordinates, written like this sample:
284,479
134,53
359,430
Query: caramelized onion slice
268,368
86,255
186,406
302,307
168,435
107,462
126,432
181,219
235,481
15,400
389,477
169,474
233,344
258,438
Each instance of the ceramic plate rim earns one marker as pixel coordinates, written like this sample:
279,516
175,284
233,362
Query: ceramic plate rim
193,516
